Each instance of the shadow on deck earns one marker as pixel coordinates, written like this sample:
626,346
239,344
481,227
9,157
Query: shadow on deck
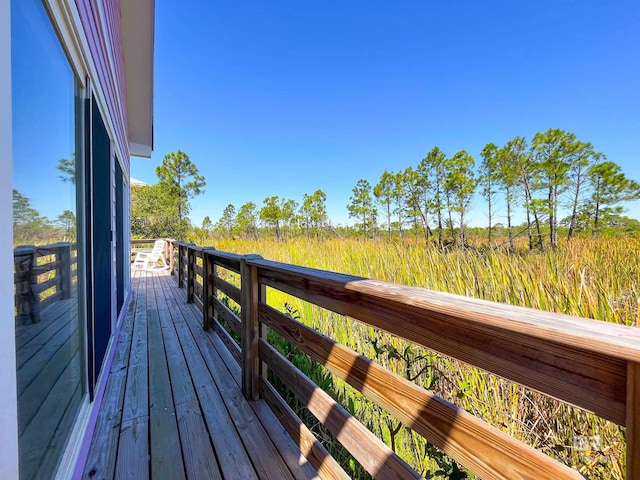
173,407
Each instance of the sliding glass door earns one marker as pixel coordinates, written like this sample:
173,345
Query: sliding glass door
48,244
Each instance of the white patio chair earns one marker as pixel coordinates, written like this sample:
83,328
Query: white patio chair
149,260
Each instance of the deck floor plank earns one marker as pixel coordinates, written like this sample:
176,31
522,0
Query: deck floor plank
163,426
197,450
294,459
104,447
133,446
173,406
234,461
265,457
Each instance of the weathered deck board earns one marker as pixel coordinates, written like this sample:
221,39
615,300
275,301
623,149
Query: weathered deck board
263,454
172,407
234,461
133,446
104,448
163,423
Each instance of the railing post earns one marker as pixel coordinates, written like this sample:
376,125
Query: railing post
64,269
249,334
191,273
208,270
171,254
262,297
180,266
632,436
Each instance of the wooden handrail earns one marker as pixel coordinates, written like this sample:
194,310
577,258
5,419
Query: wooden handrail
588,363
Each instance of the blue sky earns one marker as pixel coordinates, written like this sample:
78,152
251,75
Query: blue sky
286,97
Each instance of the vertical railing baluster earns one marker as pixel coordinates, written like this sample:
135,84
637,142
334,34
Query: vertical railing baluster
263,329
191,272
171,254
207,288
250,332
632,436
180,266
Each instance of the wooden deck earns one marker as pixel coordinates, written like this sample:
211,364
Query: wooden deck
173,408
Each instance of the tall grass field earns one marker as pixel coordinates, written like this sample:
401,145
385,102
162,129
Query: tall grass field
594,278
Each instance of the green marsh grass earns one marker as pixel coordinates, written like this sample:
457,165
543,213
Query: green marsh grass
597,279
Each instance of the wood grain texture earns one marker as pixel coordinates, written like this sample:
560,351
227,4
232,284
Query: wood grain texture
198,303
265,458
219,435
191,275
249,333
229,290
579,361
230,345
133,446
187,363
230,261
163,428
374,456
309,445
207,292
291,454
133,449
101,459
199,458
459,434
227,315
632,436
197,269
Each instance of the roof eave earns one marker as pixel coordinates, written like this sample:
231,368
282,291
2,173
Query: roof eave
138,25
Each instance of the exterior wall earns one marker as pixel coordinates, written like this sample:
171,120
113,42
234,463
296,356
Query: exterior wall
100,20
8,412
90,33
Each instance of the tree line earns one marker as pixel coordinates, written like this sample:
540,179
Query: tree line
284,218
554,174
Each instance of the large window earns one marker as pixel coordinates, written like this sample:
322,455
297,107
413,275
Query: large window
47,179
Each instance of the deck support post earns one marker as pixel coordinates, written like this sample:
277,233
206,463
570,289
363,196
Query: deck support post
249,334
171,254
180,266
262,297
633,420
208,289
191,272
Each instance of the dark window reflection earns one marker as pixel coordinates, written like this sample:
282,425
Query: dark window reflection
45,226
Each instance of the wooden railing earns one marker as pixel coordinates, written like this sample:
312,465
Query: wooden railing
590,364
42,275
